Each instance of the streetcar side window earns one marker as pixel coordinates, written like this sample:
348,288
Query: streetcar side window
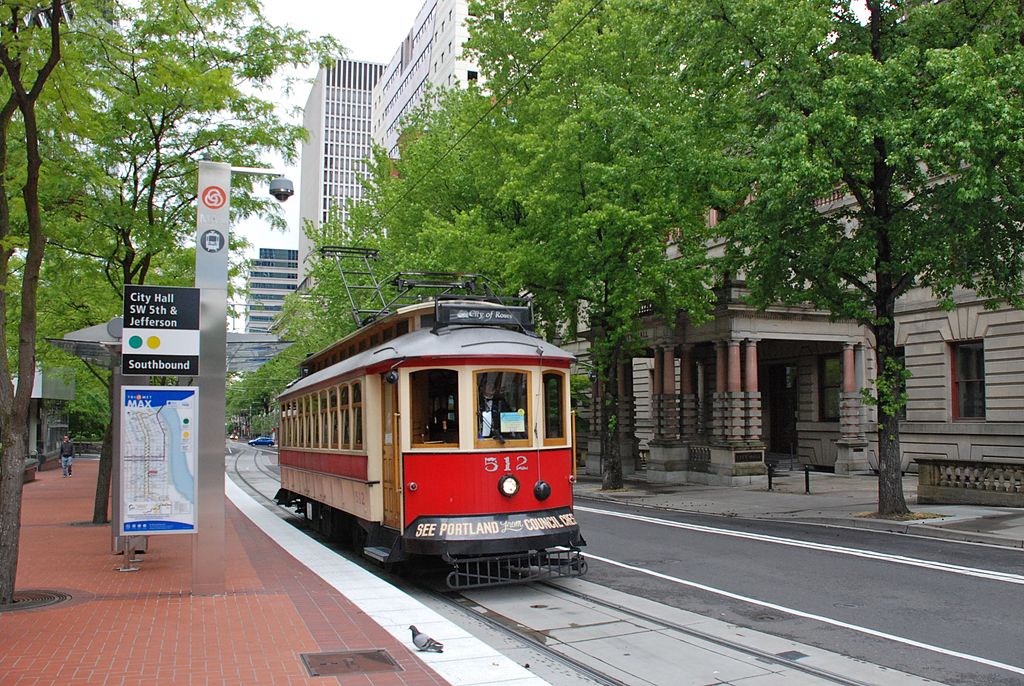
554,408
435,407
357,416
346,418
502,408
305,421
314,415
332,418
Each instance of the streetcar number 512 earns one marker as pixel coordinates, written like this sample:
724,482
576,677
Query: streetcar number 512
493,464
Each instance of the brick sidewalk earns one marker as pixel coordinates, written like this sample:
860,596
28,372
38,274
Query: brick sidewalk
146,629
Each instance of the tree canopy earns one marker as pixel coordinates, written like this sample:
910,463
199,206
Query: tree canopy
135,93
859,152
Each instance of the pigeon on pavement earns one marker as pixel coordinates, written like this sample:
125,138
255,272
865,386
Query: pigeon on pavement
425,643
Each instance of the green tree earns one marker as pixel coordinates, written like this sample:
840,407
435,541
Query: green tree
913,110
601,167
30,50
171,81
142,89
569,178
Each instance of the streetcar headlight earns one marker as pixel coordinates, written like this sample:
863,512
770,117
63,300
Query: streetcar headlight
508,485
542,490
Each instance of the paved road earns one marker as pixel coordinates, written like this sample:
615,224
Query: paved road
703,649
924,606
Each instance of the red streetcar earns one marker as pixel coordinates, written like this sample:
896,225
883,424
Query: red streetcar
441,428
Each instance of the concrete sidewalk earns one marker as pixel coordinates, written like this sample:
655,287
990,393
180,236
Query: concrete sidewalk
834,500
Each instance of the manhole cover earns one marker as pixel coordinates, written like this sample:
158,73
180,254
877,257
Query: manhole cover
349,662
791,655
28,600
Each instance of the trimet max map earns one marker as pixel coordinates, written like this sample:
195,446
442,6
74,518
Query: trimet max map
158,459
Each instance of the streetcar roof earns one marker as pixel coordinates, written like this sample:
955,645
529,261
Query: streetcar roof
451,342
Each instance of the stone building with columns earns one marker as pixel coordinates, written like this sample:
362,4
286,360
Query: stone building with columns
711,403
714,403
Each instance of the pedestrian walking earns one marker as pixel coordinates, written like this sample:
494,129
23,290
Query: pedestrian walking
67,456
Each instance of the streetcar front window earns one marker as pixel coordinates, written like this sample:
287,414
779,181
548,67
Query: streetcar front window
502,407
435,407
554,408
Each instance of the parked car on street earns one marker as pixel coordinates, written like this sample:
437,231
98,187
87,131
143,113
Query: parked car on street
261,440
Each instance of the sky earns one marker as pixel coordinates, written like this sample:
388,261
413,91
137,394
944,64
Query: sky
370,30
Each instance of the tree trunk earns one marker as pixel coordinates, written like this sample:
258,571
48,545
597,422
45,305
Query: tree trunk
100,506
611,477
12,470
14,411
891,500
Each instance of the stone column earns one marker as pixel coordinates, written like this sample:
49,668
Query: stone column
860,364
669,394
849,408
687,397
628,451
657,386
851,447
735,430
753,395
719,407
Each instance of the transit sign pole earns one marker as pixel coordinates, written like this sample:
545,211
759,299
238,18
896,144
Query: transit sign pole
212,224
213,221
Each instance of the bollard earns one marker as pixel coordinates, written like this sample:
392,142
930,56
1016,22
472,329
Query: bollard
771,472
807,478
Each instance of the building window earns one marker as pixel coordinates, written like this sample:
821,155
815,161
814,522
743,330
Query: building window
968,377
830,379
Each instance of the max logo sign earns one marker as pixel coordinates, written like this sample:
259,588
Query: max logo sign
138,401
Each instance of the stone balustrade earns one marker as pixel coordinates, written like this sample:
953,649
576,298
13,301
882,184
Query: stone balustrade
963,482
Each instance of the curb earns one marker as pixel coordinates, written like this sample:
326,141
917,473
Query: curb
914,529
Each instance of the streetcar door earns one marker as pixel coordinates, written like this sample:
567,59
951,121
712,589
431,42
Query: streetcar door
391,471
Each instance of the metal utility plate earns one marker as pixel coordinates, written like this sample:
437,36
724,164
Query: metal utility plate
349,662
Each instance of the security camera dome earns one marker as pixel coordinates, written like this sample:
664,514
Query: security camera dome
281,188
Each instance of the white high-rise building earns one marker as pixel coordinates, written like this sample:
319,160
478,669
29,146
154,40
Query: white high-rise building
430,56
337,122
271,277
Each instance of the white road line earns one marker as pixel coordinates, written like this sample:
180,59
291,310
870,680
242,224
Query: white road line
817,618
991,575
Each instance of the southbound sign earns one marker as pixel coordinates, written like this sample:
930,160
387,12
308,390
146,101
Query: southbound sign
161,331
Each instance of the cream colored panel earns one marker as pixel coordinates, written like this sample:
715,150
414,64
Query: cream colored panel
344,494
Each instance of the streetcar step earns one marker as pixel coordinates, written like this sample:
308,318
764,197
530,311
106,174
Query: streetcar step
377,552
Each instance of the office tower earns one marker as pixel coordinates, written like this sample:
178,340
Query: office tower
430,56
337,122
271,277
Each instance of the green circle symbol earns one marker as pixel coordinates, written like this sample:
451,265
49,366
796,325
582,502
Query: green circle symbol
135,341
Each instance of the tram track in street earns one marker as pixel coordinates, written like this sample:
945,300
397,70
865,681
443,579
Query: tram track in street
430,585
790,662
250,486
